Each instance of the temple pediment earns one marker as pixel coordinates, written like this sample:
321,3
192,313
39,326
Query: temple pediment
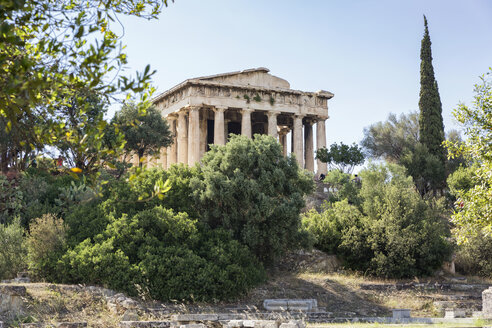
258,77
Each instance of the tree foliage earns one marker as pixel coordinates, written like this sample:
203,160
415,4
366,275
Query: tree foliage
83,140
145,134
473,214
341,157
52,49
390,232
389,140
430,120
250,189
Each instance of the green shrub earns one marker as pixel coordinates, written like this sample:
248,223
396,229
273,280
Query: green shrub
331,224
12,249
85,221
250,189
341,187
10,200
167,256
46,244
122,196
475,256
400,234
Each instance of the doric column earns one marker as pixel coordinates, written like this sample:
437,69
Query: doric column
172,149
272,124
219,129
182,130
298,144
320,143
203,133
193,136
246,122
283,140
308,142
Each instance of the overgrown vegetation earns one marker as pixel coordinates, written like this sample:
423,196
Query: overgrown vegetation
384,228
207,237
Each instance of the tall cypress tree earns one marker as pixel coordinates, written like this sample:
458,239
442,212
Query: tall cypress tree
430,120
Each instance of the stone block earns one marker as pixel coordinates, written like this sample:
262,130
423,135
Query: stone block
233,324
487,303
145,324
194,317
231,316
454,313
401,313
193,325
275,304
265,324
290,304
249,323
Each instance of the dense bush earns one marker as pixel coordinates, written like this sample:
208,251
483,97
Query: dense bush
46,244
393,232
475,256
331,224
167,256
341,186
131,196
250,189
12,249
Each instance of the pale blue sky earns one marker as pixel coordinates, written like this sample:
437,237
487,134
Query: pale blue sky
365,52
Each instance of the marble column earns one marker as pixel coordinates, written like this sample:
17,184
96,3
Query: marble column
219,129
308,142
298,140
203,132
320,143
283,140
246,122
182,131
272,124
193,136
172,149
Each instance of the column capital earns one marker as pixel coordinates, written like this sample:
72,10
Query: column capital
310,121
193,108
219,108
321,118
272,113
283,131
246,110
299,116
171,117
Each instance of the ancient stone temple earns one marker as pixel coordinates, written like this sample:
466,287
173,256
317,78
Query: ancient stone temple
205,110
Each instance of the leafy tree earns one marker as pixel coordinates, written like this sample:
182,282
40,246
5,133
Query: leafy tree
250,189
391,139
473,214
424,167
144,134
341,157
82,140
51,49
430,120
